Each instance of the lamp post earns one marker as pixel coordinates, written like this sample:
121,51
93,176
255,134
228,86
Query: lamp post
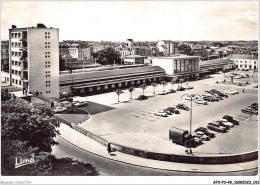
191,99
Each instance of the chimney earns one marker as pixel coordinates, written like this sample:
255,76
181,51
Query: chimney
13,26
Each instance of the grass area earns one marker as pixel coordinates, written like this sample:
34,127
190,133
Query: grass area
74,118
95,108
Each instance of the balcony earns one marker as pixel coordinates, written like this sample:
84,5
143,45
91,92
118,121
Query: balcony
23,48
23,39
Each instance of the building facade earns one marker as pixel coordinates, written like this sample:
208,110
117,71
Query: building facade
134,59
5,76
34,59
249,62
178,66
109,80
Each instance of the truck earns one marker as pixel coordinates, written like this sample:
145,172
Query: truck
182,137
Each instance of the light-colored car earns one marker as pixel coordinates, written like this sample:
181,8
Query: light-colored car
206,94
226,122
189,98
188,87
231,92
200,101
59,109
237,77
160,113
80,103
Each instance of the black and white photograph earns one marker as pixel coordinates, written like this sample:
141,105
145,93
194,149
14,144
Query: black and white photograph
126,92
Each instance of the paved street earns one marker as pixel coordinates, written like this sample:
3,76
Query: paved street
133,124
114,168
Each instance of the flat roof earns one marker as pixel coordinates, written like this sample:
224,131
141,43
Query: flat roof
109,73
178,57
237,56
134,56
216,61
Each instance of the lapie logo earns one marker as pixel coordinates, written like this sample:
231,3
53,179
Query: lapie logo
24,161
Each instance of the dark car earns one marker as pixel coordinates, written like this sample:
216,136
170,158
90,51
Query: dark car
176,111
218,125
167,111
142,97
171,109
254,106
206,132
171,91
181,89
182,107
249,110
231,119
208,98
222,94
216,129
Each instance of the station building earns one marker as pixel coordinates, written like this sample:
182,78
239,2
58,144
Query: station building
178,66
92,82
134,59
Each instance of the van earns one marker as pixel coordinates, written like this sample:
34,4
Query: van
217,129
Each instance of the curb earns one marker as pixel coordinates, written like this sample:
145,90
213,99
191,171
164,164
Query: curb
151,159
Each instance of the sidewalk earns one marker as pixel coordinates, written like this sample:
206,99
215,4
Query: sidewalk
92,146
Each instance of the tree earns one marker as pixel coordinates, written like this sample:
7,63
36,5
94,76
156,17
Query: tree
143,87
172,83
108,56
154,85
62,63
164,83
131,89
36,125
5,95
118,92
184,48
45,163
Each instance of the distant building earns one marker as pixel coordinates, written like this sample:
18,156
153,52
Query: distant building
245,61
34,59
178,66
5,62
134,59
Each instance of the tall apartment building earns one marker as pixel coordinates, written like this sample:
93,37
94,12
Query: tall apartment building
34,59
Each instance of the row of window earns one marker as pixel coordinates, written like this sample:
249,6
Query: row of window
16,35
16,54
15,72
246,62
184,65
17,82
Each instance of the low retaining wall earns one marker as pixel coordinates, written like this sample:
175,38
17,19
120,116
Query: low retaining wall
90,135
218,159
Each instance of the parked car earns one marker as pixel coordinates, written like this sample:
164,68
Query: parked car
171,109
142,97
249,110
171,91
59,109
208,98
205,138
160,113
222,94
182,107
205,131
230,119
206,94
181,89
254,106
200,101
218,124
80,103
167,112
190,97
237,77
231,92
176,111
216,129
163,93
188,87
226,123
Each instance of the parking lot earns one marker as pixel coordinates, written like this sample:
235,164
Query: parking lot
134,123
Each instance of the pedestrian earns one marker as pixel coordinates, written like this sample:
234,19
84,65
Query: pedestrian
243,90
108,148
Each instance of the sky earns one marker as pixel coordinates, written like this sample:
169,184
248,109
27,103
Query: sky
138,20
